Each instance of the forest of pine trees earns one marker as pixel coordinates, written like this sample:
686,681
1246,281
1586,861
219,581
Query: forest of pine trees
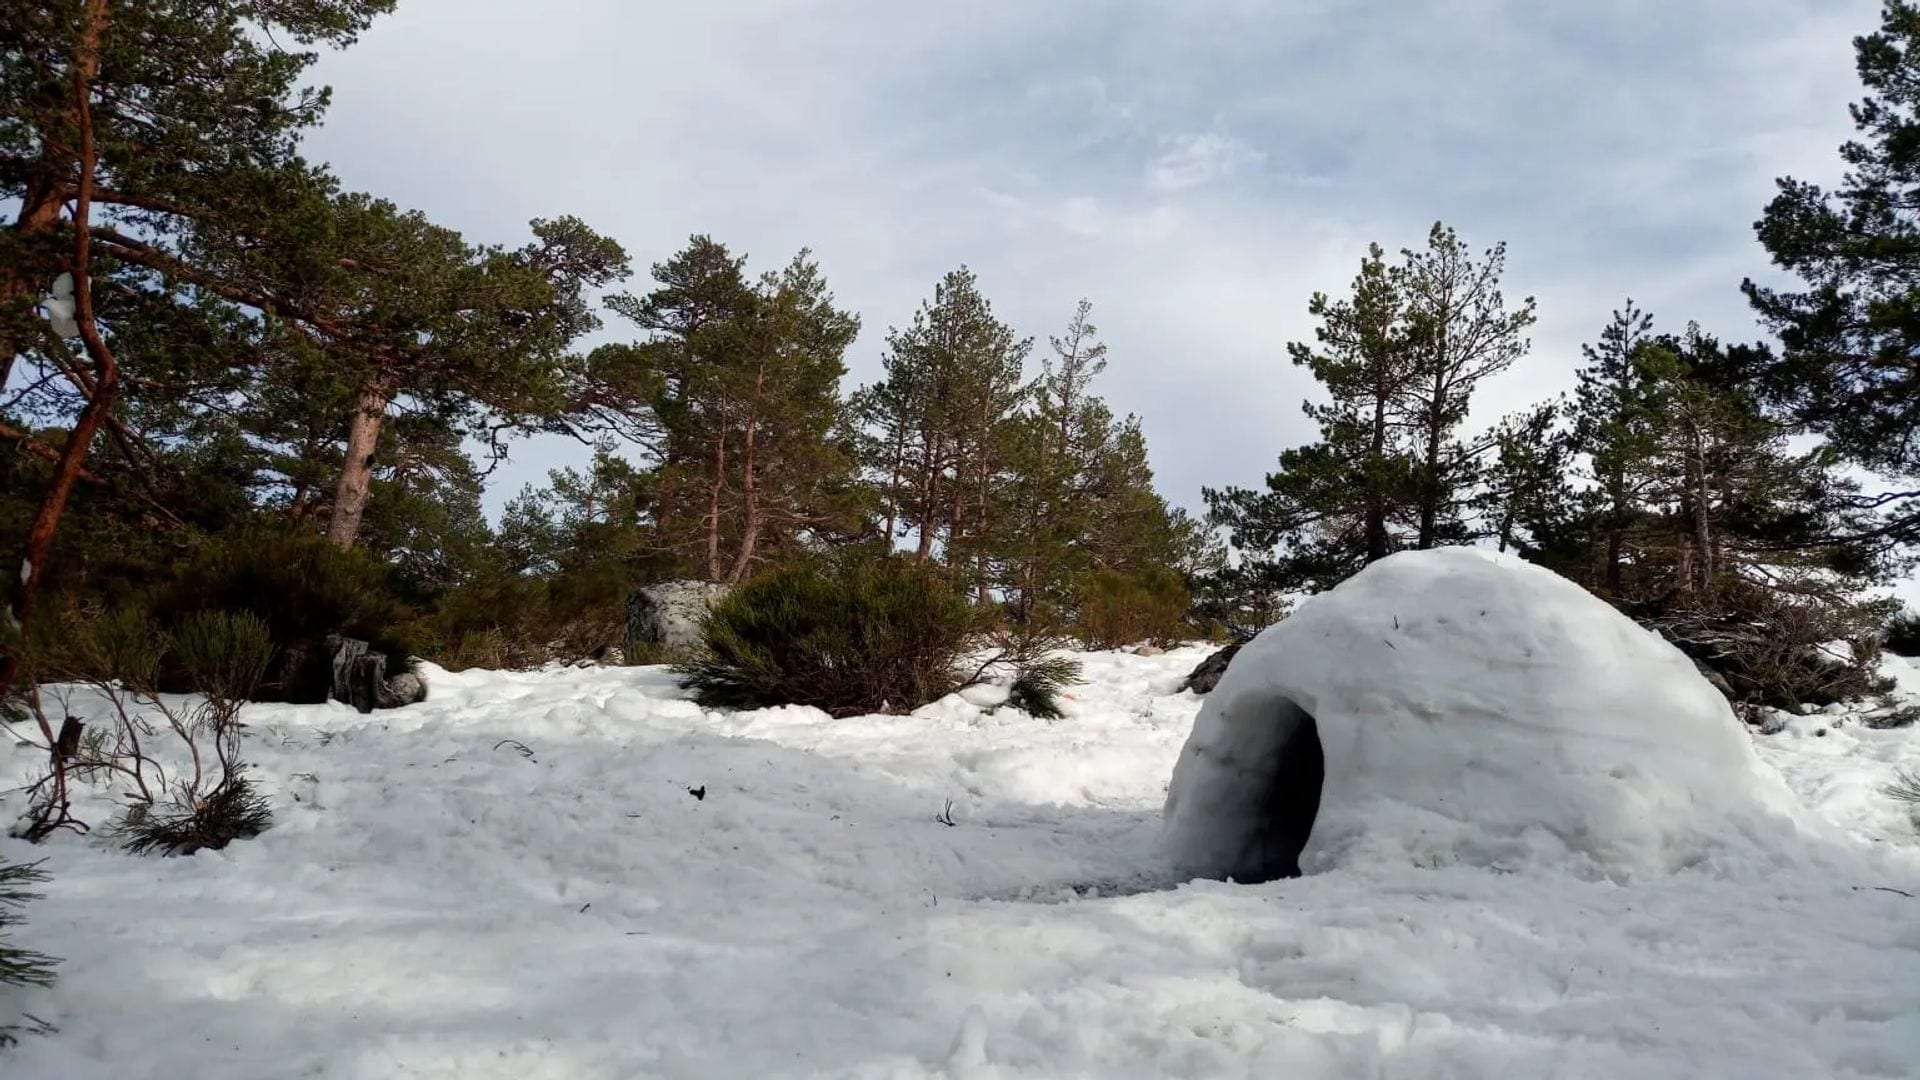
209,344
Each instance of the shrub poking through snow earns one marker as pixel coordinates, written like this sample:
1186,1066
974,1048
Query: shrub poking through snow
851,636
20,967
175,763
1038,683
225,656
233,810
1906,788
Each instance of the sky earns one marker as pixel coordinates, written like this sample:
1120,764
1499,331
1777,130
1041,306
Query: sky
1195,169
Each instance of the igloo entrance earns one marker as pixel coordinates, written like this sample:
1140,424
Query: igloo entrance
1262,818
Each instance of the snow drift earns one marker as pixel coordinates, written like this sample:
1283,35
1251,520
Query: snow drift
1469,707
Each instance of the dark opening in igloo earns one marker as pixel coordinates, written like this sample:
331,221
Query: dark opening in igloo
1287,801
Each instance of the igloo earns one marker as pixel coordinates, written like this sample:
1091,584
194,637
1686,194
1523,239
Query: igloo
1464,706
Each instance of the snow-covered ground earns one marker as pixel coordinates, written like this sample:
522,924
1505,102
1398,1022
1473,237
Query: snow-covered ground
433,901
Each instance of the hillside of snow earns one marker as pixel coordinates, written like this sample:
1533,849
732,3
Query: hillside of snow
516,880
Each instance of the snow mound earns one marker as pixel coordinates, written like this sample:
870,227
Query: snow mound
1470,708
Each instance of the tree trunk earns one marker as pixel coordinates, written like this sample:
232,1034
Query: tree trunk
929,492
1430,492
1616,537
1376,502
350,494
1702,522
955,516
749,490
106,385
895,478
981,526
715,486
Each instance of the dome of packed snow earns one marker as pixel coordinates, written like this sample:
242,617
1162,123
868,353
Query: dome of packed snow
1463,706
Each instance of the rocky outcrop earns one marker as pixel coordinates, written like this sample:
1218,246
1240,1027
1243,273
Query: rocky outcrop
405,688
666,618
1714,679
1204,677
339,668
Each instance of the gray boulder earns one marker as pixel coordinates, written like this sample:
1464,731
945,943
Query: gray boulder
406,688
1714,678
667,617
360,677
1206,676
350,661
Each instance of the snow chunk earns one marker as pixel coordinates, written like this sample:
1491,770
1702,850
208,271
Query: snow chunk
1472,708
60,307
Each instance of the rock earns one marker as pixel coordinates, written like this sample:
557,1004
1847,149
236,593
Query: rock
1207,675
403,689
342,654
366,678
1715,679
1149,650
300,674
667,617
338,668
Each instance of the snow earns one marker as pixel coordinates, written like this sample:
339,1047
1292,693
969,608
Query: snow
1475,708
432,902
60,307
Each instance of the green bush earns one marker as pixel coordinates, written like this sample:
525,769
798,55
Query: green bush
503,620
223,653
850,637
302,589
1120,609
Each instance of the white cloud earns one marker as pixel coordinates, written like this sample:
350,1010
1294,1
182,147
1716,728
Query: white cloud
1196,174
1195,159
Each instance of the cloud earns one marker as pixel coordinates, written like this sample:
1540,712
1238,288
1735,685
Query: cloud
1193,160
1196,170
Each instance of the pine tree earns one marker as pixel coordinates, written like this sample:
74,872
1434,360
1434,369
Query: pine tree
1057,446
1846,370
424,514
795,461
1612,420
939,426
407,313
1528,503
696,322
1354,496
736,391
1732,552
1459,332
597,517
161,120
